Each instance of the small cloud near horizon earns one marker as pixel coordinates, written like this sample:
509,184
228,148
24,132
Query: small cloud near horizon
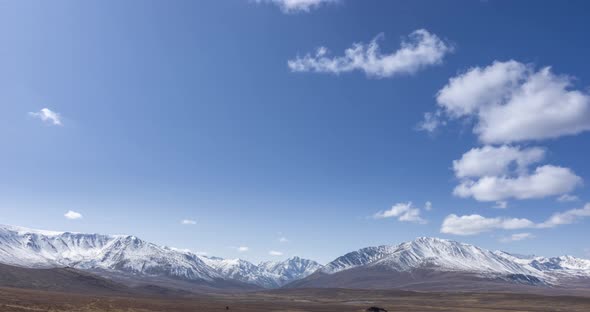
73,215
275,253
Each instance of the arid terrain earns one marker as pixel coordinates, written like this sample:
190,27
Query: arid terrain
300,300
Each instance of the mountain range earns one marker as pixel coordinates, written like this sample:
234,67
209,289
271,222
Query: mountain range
422,264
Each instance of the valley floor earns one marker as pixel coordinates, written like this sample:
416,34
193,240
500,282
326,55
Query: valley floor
300,300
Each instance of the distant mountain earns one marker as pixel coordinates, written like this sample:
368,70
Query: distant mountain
439,264
423,264
132,257
244,271
292,269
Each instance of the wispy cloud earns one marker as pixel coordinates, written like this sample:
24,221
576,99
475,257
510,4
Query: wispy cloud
73,215
297,6
567,217
48,116
567,198
188,222
275,253
432,121
475,224
242,249
403,212
501,204
283,239
420,50
517,237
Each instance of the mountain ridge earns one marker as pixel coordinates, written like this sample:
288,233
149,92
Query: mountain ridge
128,254
415,264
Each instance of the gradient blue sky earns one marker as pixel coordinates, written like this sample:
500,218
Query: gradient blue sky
175,110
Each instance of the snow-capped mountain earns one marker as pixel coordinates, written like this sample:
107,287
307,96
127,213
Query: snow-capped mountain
425,259
34,248
292,269
128,254
243,271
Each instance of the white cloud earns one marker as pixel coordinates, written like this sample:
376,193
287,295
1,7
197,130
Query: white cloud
475,224
517,237
512,102
283,239
188,222
567,198
47,115
72,215
296,6
242,248
544,181
432,121
275,253
184,250
498,173
567,217
428,206
422,49
494,161
403,212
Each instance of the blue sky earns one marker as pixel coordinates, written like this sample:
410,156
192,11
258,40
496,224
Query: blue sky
222,113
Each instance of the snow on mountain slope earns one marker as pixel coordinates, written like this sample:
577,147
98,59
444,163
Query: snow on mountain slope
357,258
450,256
291,269
129,254
244,271
552,266
133,255
34,248
426,252
123,253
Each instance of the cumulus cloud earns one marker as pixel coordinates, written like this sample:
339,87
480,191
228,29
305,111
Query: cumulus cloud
476,224
567,198
517,237
72,215
48,116
403,212
275,253
513,102
494,161
297,6
544,181
420,50
188,222
498,173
